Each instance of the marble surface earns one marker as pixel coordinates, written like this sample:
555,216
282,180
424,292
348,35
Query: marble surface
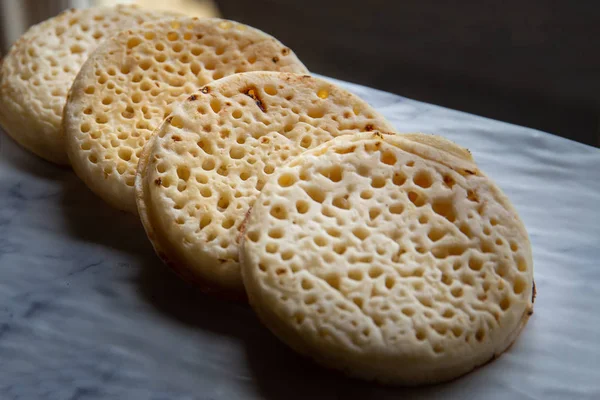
87,311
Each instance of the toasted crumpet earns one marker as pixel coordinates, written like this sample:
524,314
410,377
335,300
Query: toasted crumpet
126,88
390,257
40,67
203,168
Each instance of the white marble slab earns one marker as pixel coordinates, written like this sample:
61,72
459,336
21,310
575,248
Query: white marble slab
88,312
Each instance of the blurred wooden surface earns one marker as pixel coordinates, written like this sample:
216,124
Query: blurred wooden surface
534,63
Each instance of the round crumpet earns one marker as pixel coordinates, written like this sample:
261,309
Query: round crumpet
390,257
40,67
203,168
125,90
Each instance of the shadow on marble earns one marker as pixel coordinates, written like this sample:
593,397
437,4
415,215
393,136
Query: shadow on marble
182,302
89,218
273,367
275,370
280,373
13,154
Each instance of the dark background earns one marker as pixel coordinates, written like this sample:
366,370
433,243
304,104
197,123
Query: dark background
531,62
